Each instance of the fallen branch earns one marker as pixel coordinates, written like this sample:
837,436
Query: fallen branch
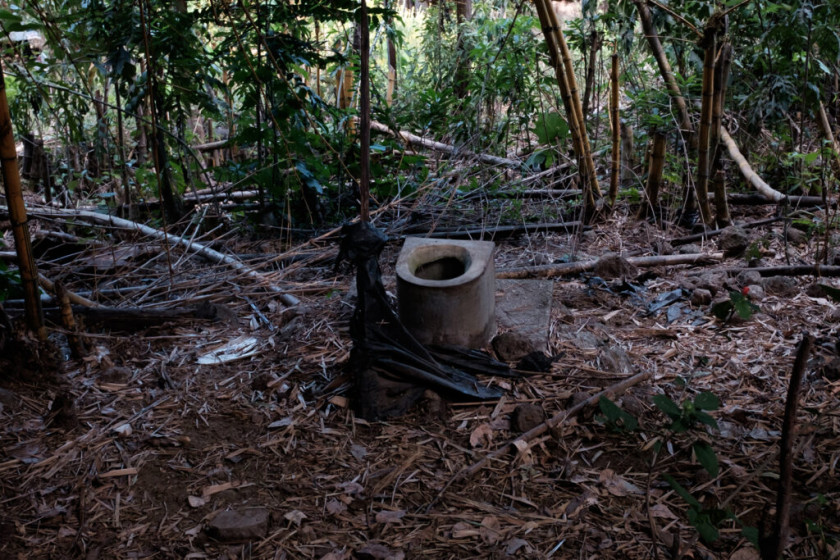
749,175
445,148
715,232
552,423
758,199
197,248
794,270
491,233
568,269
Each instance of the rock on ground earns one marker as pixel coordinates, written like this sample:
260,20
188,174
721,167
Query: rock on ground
240,525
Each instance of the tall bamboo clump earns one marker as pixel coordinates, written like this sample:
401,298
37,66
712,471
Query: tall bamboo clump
17,215
615,124
709,46
562,62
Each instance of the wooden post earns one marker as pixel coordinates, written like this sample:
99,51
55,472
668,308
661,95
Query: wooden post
17,215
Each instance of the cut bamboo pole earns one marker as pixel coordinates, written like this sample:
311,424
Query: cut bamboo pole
709,45
749,175
615,124
654,179
571,269
445,148
17,215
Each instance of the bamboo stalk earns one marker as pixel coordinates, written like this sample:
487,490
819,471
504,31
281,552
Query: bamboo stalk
17,215
554,57
749,175
721,205
665,70
654,179
825,127
709,44
615,124
588,162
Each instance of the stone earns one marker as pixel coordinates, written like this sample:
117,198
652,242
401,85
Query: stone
511,346
733,241
781,286
747,277
813,290
701,296
710,281
756,292
795,236
615,360
689,249
613,265
536,362
240,525
524,306
526,417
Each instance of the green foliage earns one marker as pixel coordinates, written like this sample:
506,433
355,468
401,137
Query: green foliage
10,284
615,418
692,412
738,302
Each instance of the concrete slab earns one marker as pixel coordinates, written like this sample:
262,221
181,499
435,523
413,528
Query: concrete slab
524,306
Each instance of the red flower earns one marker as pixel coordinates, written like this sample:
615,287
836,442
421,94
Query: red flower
745,290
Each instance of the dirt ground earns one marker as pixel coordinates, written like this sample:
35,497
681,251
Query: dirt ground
134,450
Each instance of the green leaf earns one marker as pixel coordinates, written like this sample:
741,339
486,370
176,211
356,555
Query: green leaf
701,416
751,534
551,126
744,307
615,415
667,406
722,309
707,401
683,493
706,457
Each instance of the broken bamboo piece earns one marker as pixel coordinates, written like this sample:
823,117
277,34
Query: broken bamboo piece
568,269
197,248
749,175
17,215
445,148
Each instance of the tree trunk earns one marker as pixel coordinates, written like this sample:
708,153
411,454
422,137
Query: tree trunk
463,13
595,41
